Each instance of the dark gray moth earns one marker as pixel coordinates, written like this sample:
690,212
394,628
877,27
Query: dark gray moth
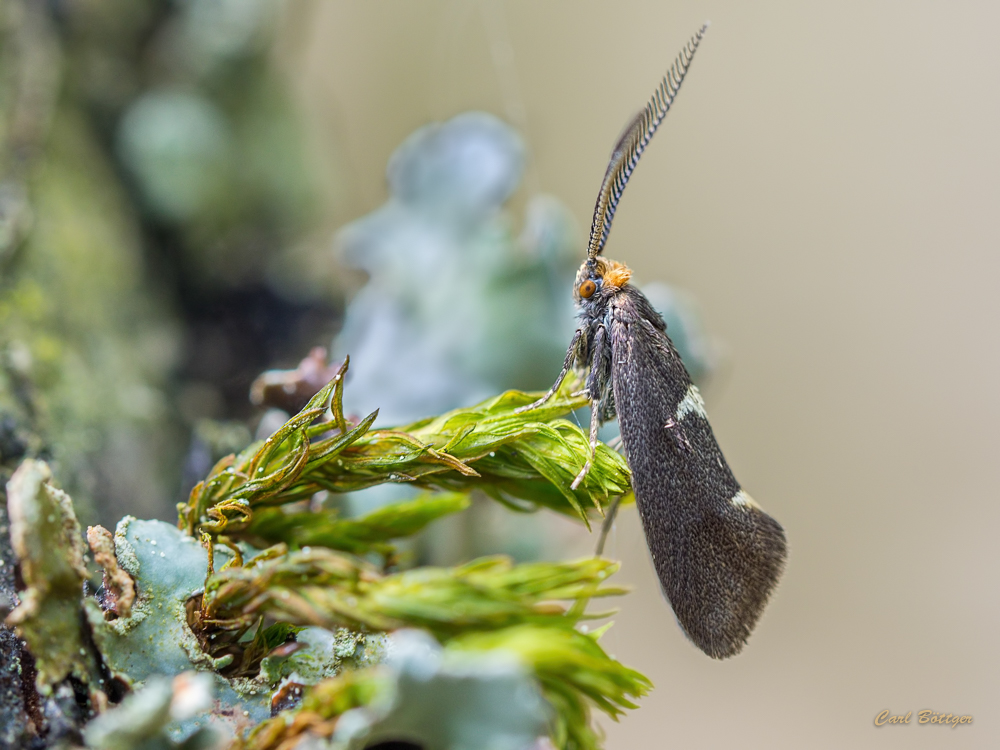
717,554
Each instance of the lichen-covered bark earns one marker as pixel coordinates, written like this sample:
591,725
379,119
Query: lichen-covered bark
18,727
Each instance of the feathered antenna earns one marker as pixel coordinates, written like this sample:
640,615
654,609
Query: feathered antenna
633,142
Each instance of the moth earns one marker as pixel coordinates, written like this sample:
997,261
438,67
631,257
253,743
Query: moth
717,554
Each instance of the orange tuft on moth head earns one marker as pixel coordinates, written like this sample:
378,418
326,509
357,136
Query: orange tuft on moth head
613,273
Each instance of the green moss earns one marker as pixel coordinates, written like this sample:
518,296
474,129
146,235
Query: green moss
322,608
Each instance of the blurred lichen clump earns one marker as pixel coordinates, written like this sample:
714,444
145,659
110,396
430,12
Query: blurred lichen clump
457,304
443,250
155,203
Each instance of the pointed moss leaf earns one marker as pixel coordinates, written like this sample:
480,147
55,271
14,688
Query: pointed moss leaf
326,449
337,399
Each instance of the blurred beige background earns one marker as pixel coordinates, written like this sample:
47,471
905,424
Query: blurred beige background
827,185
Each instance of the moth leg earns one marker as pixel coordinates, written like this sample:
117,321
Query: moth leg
609,521
597,385
567,364
594,422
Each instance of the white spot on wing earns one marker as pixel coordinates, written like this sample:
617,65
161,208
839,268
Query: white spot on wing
743,500
692,403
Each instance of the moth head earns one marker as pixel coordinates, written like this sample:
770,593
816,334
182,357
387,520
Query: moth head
599,278
600,275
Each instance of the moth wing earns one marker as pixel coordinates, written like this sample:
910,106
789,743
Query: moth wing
717,554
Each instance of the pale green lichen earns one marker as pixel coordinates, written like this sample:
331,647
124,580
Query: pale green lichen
169,568
123,547
161,715
129,562
448,700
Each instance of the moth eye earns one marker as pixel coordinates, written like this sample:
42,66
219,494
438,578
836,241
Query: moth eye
587,289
